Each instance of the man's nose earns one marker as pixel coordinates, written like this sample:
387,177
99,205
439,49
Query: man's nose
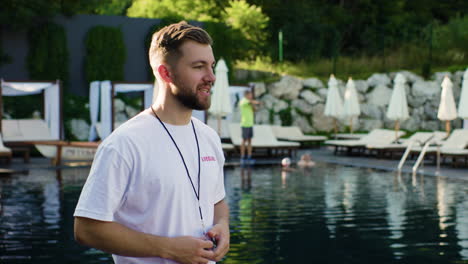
211,77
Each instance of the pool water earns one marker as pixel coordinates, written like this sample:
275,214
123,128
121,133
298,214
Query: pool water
328,214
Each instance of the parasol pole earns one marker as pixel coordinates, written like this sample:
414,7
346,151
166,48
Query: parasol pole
351,124
335,126
397,128
447,127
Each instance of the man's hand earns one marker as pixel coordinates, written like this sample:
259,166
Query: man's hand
220,233
255,102
189,250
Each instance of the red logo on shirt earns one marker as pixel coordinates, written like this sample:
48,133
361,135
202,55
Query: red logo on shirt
208,158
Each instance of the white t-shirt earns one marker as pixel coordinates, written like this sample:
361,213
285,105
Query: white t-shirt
138,179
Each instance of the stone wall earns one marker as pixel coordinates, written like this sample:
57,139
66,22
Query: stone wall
302,102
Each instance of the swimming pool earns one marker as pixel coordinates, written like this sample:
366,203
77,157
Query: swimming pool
329,214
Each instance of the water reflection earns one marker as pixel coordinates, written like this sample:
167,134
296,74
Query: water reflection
396,203
332,188
462,227
51,205
445,200
328,214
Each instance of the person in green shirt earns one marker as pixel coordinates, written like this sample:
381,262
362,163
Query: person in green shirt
247,107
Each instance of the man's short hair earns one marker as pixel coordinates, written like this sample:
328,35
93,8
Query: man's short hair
246,92
165,43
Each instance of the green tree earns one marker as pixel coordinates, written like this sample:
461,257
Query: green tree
200,10
249,20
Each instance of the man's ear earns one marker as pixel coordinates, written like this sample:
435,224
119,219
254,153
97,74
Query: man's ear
165,73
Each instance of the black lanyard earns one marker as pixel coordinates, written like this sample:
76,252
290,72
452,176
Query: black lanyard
197,194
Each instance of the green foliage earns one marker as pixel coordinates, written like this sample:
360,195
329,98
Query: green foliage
113,7
453,38
74,106
364,27
22,106
244,24
22,14
226,43
99,7
105,54
285,116
251,23
48,54
200,10
47,59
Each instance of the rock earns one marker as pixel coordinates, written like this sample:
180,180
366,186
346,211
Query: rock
131,112
262,116
288,88
121,117
411,77
302,105
259,88
439,76
415,101
311,97
370,124
430,125
277,120
426,89
268,101
320,122
119,105
458,77
379,96
361,86
303,123
418,111
435,101
79,129
371,111
313,83
323,93
430,112
411,124
36,115
456,89
361,98
280,105
378,79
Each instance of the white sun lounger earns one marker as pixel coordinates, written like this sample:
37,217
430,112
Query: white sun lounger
23,133
263,139
294,133
418,139
456,141
455,146
375,137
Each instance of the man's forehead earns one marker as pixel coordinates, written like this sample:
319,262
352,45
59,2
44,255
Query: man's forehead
195,52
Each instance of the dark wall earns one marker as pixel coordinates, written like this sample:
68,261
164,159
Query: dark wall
134,29
15,45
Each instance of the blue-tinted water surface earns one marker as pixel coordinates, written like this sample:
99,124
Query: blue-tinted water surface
328,214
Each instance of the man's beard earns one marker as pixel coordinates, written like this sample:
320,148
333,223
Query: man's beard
189,99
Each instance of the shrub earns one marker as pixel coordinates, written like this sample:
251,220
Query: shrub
105,54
